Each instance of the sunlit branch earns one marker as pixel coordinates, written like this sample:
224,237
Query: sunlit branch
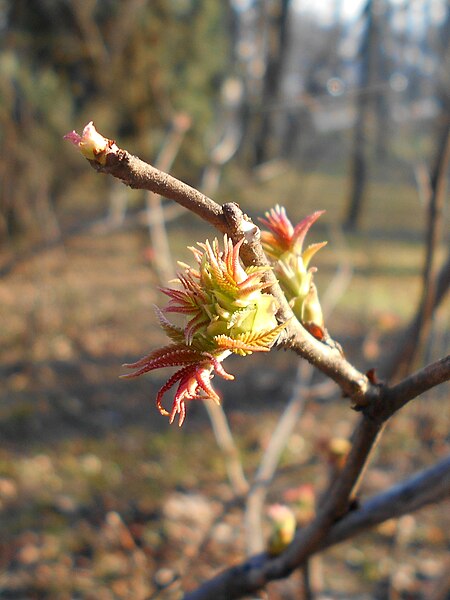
228,219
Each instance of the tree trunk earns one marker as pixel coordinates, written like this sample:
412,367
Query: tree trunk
359,159
277,42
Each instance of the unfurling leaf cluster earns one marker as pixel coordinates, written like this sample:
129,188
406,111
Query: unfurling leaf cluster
224,309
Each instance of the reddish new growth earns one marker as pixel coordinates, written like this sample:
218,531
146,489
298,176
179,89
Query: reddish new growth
225,310
194,380
283,244
284,237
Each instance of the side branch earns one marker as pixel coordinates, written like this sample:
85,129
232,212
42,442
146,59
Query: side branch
422,489
395,363
416,384
255,574
427,487
412,345
321,532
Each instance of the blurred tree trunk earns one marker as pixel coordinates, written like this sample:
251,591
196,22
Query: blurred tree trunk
442,50
359,159
382,70
277,44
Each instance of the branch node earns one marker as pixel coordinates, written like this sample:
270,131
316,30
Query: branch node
240,224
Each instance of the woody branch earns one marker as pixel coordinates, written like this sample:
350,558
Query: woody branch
377,402
229,219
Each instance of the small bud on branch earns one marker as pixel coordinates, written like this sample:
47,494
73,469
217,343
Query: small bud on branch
91,144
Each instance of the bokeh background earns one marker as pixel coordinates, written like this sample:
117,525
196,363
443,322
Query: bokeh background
337,104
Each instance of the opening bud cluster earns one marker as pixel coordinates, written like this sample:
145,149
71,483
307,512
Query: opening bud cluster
224,310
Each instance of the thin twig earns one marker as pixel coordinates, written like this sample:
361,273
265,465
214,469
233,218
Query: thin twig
435,203
434,233
430,486
416,384
270,460
228,219
394,363
226,443
140,175
306,580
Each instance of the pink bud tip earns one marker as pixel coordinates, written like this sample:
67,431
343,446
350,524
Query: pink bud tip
91,144
73,137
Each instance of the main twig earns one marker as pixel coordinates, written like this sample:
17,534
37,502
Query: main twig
229,219
377,402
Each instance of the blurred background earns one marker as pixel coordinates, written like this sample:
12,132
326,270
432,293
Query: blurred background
340,105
